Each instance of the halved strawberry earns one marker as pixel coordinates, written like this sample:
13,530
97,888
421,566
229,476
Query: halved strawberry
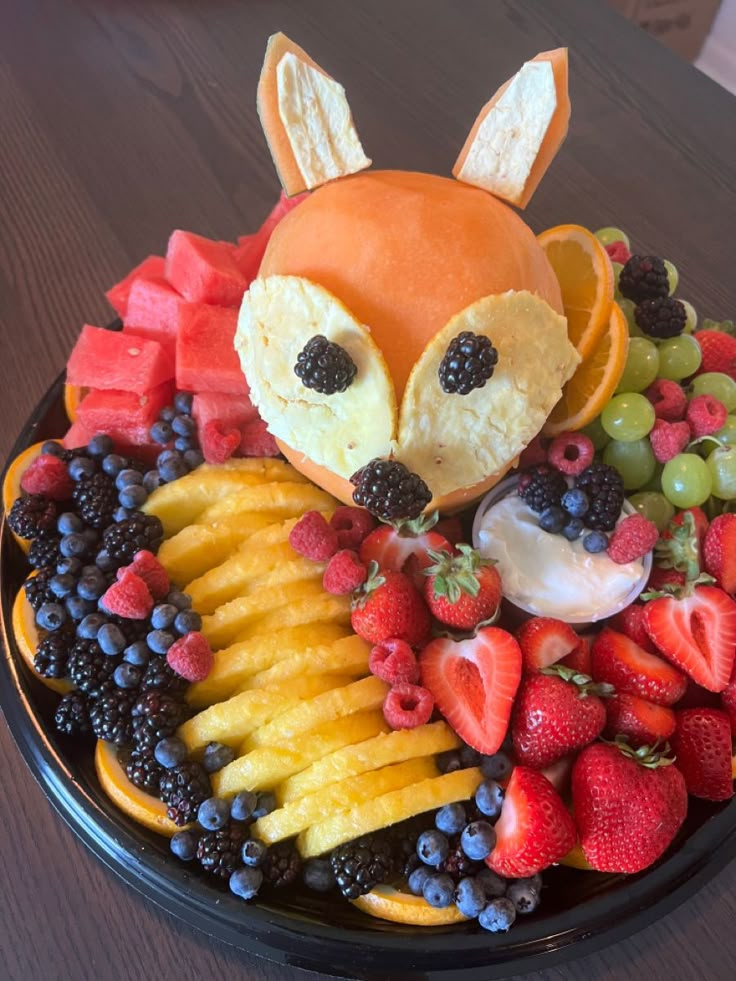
535,829
630,621
697,633
559,774
580,659
719,551
702,746
474,682
623,664
641,721
544,641
396,550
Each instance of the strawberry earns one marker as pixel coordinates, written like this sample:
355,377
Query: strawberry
680,546
462,589
719,551
580,660
544,640
641,721
660,578
535,829
556,712
473,683
719,352
390,606
403,548
728,701
702,745
696,632
630,621
628,805
623,664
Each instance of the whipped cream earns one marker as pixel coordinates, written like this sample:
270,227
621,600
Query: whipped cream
548,575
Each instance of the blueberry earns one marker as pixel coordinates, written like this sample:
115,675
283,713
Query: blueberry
104,561
318,875
91,586
595,541
173,469
91,537
573,529
552,519
69,522
489,798
133,497
417,879
216,756
449,761
170,752
126,675
265,804
439,890
183,443
183,403
478,840
523,895
470,897
79,608
193,459
100,445
496,767
81,466
184,845
127,477
113,464
165,455
163,615
492,883
213,813
254,851
498,916
89,627
111,639
73,546
137,653
535,881
242,805
160,640
180,600
246,882
187,620
152,480
183,425
161,432
69,564
469,756
51,616
432,847
52,448
62,584
121,514
167,413
451,819
575,502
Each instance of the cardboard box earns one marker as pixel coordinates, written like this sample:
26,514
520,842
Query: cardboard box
682,25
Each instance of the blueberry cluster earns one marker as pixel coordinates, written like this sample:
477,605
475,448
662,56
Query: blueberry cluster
176,431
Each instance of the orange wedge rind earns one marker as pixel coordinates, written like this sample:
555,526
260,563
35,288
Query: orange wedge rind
11,483
388,903
137,804
27,638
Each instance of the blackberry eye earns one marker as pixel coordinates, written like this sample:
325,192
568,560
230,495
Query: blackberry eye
325,366
468,363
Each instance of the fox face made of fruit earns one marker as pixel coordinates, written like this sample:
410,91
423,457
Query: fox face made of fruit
350,336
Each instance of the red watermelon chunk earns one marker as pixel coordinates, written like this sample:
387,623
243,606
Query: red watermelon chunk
108,359
78,435
116,411
117,295
153,310
230,410
204,271
206,360
255,440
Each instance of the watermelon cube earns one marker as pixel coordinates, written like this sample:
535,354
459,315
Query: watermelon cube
204,271
230,410
153,310
107,359
206,360
255,440
117,295
124,414
77,435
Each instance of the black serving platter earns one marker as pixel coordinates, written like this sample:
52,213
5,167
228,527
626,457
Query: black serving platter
580,912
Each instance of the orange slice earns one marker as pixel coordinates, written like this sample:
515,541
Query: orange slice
136,803
387,903
27,638
595,380
11,483
575,859
73,395
585,273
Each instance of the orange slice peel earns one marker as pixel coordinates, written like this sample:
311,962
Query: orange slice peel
386,902
138,805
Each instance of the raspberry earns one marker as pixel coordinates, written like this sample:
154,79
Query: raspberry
668,399
218,442
571,453
668,439
129,597
618,252
149,569
394,661
632,538
706,415
407,706
630,621
344,573
49,476
191,656
312,537
352,525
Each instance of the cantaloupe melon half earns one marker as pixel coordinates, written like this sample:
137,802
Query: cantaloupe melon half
519,131
306,119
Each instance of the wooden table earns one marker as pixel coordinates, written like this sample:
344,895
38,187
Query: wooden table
123,120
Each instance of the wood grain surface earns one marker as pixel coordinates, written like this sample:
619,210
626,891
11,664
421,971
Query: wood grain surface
120,121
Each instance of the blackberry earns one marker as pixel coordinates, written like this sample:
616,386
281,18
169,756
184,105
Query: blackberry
144,771
457,864
156,715
31,515
361,864
541,487
110,716
44,550
52,654
37,589
72,714
96,498
133,630
218,852
123,540
644,277
605,489
158,676
89,669
389,491
468,363
183,788
325,366
661,318
281,865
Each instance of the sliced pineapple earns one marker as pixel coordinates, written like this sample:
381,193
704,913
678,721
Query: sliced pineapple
195,549
267,766
285,499
300,814
393,747
347,657
388,809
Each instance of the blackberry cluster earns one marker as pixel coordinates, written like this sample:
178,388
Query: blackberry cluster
661,317
52,654
141,531
361,864
30,516
389,490
183,788
72,715
44,550
158,676
155,716
144,771
605,489
218,852
644,277
110,716
324,366
37,589
541,487
89,669
468,363
95,498
281,865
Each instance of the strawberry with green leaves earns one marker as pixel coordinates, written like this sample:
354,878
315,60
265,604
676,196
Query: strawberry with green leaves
404,546
389,606
462,589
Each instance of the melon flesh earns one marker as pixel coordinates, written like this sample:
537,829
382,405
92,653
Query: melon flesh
110,360
204,271
117,295
79,435
230,410
153,310
123,414
205,356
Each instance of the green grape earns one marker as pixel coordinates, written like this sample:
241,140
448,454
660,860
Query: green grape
672,275
655,507
611,234
633,460
617,267
727,434
628,417
627,308
692,317
596,433
722,466
642,365
679,357
717,384
687,481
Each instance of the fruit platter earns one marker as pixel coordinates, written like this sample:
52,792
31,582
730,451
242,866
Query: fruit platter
368,584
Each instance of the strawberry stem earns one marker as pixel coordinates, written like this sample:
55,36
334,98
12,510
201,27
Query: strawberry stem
455,574
650,757
583,682
414,527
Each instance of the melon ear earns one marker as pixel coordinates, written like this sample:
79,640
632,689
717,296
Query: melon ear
306,119
518,133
